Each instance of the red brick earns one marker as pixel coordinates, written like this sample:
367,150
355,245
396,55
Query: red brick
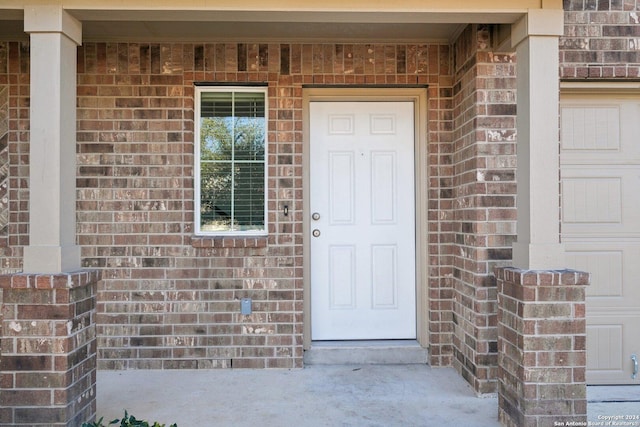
52,312
561,358
26,363
34,398
39,416
42,380
560,327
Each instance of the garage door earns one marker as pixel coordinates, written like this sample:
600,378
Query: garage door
600,163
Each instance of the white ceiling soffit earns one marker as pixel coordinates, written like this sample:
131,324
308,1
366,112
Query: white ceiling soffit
267,31
185,25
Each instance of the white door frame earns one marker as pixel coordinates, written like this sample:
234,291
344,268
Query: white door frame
417,95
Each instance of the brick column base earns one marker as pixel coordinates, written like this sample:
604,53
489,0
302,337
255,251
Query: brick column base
541,347
48,349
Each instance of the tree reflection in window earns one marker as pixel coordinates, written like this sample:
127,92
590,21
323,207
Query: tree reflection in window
232,161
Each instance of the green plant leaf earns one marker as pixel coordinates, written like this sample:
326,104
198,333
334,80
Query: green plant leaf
94,424
127,421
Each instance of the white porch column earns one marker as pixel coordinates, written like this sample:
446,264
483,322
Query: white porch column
536,38
55,36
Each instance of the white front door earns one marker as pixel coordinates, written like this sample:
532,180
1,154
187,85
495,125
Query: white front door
601,225
362,204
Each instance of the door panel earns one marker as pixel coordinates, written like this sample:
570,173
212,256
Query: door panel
600,159
362,188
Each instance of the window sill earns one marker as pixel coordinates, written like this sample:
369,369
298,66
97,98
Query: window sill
229,242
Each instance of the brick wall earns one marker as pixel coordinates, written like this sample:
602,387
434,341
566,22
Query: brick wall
48,349
439,210
601,40
483,198
542,342
170,300
14,78
4,164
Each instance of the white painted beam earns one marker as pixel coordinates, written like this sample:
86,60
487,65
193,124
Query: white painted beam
538,244
52,156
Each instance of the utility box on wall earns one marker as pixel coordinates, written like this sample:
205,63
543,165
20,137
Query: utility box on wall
245,306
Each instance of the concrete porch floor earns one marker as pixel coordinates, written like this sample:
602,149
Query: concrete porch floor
320,395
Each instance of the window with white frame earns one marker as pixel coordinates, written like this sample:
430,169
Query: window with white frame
230,156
